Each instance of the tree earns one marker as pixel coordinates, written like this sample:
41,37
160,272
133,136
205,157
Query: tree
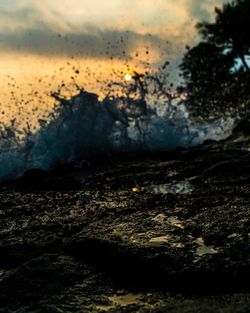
231,29
204,67
212,87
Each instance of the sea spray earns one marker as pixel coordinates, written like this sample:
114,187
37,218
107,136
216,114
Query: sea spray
83,126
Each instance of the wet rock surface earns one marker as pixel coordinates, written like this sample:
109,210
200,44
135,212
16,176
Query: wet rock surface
159,232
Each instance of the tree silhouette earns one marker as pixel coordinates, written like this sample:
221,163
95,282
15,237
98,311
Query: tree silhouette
204,67
231,29
212,87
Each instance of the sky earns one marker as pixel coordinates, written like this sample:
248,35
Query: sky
46,42
84,27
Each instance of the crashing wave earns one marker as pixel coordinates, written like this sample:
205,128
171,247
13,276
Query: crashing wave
83,126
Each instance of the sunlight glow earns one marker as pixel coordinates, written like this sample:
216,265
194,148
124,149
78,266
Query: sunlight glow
127,77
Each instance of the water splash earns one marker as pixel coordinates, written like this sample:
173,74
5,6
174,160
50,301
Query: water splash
82,126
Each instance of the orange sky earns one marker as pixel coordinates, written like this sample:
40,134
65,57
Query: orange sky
43,43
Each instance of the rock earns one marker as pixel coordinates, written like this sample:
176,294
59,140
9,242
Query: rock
38,179
102,246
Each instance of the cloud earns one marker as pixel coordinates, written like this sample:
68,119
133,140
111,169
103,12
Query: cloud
202,10
94,43
99,29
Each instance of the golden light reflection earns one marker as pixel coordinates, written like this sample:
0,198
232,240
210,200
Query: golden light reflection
135,189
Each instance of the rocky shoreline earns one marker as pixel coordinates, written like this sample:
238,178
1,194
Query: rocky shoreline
155,232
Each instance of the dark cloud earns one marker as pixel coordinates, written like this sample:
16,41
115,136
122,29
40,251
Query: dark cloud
93,43
37,28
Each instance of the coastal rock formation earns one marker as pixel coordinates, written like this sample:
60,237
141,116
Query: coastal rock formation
161,232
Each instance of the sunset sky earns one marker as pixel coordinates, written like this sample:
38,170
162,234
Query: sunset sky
43,42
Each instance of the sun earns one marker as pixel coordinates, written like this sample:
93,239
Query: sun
127,77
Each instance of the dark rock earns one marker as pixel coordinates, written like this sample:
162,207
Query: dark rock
242,129
37,179
111,240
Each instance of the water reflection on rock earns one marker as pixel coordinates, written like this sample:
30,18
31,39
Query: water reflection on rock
178,188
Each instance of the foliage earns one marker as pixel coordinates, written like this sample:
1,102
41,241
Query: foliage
207,67
204,67
231,29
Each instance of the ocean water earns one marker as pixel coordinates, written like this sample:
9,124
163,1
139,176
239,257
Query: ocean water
83,126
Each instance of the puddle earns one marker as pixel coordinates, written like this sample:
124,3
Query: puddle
161,240
160,218
173,221
120,300
179,188
203,249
